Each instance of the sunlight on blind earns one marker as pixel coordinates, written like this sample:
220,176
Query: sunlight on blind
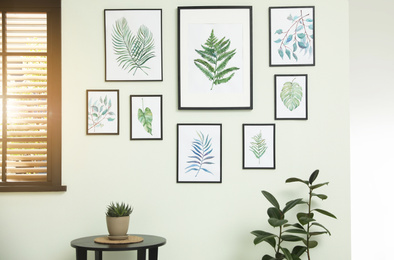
26,97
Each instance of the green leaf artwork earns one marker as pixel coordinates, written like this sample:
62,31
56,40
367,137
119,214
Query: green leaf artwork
133,51
99,111
297,39
201,154
215,56
258,146
291,95
145,116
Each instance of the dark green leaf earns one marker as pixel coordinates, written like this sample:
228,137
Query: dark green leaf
325,213
320,196
316,233
296,180
295,231
320,225
275,213
313,176
287,254
298,250
318,185
311,244
271,199
305,218
291,238
291,204
264,236
268,257
277,222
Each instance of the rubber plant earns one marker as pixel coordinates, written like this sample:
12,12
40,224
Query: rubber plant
304,231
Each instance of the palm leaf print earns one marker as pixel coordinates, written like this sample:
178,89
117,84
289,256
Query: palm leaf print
215,56
201,150
132,51
259,146
291,95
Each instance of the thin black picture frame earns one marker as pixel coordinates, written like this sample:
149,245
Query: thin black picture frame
100,111
199,158
140,127
298,107
295,46
192,25
116,71
262,159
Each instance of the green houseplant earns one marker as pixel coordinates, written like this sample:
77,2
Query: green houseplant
118,218
301,233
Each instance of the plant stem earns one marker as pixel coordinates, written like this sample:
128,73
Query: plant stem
309,215
279,240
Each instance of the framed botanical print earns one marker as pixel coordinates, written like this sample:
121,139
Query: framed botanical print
146,117
291,97
133,45
199,153
215,57
258,146
102,109
292,36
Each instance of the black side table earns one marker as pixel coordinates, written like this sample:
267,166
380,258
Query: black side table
152,243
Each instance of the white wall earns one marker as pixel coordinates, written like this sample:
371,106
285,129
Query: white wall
200,221
372,128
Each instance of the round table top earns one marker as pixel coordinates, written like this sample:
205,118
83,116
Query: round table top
89,244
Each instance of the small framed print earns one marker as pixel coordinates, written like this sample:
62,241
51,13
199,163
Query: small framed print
146,117
215,57
292,36
133,45
102,109
258,146
291,99
199,153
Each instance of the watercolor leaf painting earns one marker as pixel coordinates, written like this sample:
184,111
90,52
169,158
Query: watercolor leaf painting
133,51
201,155
215,56
99,112
291,95
297,38
145,116
258,146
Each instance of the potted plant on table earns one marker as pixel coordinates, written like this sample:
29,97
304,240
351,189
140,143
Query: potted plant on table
118,218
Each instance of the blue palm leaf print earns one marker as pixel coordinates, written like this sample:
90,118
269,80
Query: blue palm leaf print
201,154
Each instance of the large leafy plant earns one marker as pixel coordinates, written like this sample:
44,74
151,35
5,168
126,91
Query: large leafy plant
133,51
201,154
215,56
304,231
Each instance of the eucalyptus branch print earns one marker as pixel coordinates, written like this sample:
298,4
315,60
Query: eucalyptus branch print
298,38
258,146
99,111
201,154
291,95
215,56
133,51
145,116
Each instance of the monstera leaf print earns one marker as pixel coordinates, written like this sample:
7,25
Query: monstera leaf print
291,95
200,158
258,146
145,116
214,58
133,51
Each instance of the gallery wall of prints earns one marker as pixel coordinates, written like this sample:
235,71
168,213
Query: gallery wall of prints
168,113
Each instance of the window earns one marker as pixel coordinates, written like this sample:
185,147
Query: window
30,96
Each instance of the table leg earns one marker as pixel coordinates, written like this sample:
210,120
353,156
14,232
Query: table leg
82,254
98,255
153,252
141,254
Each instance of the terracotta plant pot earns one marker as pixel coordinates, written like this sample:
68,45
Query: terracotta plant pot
118,227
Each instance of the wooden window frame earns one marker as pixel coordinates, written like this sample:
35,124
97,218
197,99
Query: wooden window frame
54,174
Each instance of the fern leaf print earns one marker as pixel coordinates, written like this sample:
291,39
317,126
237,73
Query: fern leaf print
215,55
201,155
258,146
132,51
